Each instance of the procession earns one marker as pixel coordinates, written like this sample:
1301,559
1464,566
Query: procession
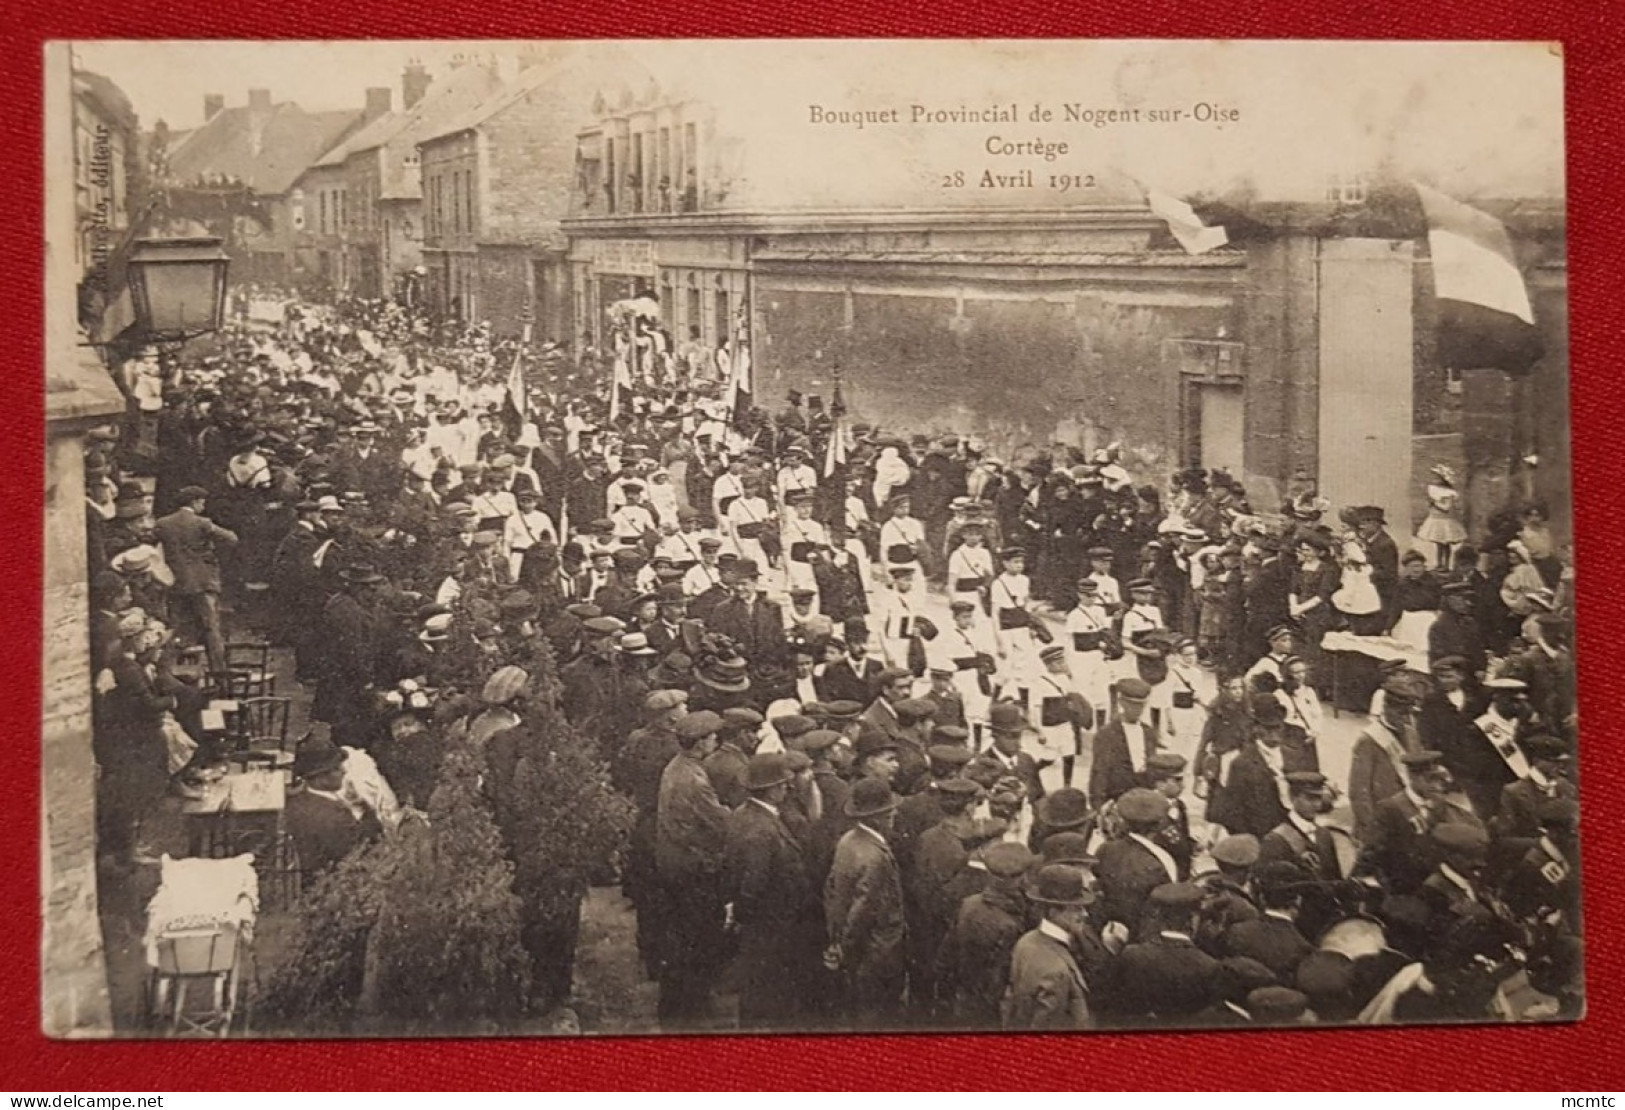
875,730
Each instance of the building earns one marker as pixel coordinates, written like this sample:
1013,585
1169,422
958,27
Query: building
496,183
108,187
239,173
89,134
1298,356
381,183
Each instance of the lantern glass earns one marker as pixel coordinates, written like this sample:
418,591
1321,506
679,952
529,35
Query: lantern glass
179,286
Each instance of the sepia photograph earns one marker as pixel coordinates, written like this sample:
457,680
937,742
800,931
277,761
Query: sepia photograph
553,538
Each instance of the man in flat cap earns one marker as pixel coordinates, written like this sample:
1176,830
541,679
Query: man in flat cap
1166,979
636,772
973,961
1376,772
1274,939
191,543
775,906
930,877
1123,745
690,839
736,743
1135,864
1455,890
1400,847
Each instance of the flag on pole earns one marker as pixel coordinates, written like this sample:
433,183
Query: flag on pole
835,453
619,382
1187,227
1485,317
739,386
513,401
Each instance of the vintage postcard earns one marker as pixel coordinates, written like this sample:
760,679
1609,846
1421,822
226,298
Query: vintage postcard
727,536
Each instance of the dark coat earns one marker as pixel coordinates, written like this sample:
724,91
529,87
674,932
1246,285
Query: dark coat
1451,634
1273,941
1519,812
1249,800
691,825
758,629
1383,554
190,545
950,708
1112,773
839,683
863,914
323,831
776,909
725,767
973,961
1400,847
1128,872
1166,978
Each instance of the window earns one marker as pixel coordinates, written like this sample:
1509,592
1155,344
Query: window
1346,189
456,206
634,180
725,329
665,183
321,208
468,200
691,169
611,182
695,308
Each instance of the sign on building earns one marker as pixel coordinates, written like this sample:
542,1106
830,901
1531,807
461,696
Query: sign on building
635,257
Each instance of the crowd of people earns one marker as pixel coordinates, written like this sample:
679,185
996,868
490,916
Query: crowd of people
917,736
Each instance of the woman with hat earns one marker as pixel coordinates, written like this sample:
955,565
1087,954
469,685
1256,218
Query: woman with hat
1314,580
1442,527
721,682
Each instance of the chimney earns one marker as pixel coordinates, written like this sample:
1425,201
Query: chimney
378,103
259,100
415,82
213,105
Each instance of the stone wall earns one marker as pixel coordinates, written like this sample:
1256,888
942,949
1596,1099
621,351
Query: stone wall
74,983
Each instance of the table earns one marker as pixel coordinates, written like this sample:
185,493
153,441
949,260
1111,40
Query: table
242,812
1340,646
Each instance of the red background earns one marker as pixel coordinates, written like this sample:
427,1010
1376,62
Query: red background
1577,1058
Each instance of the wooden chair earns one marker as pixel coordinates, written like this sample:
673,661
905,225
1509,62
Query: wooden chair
260,726
232,685
254,659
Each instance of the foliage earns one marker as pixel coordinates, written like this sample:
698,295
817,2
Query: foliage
317,985
418,933
445,954
564,820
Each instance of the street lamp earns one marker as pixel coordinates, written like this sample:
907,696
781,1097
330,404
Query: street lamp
178,287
